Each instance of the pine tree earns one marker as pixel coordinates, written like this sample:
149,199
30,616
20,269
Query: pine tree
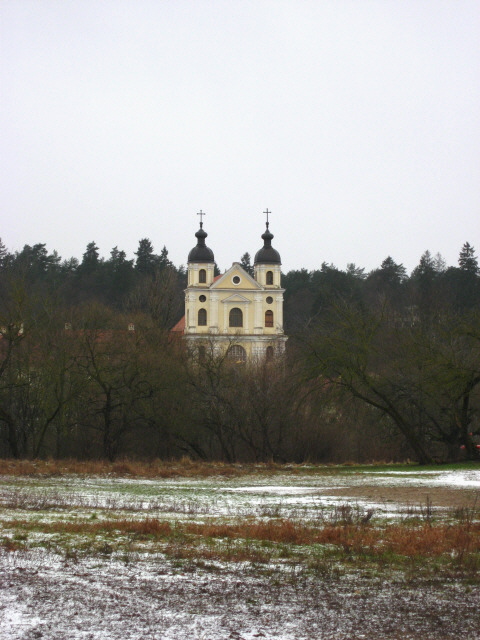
393,271
5,257
467,260
245,261
356,272
90,259
163,260
145,262
426,266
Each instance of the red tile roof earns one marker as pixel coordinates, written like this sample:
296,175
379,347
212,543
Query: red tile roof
179,327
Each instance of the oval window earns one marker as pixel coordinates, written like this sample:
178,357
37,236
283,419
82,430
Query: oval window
269,299
236,279
202,298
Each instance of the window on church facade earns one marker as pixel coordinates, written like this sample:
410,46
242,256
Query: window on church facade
202,276
236,317
237,354
269,353
269,277
202,317
269,318
202,354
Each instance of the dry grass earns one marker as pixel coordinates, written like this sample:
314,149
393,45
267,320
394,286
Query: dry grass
427,540
184,467
147,527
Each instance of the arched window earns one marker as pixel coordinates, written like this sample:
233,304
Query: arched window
202,353
202,317
237,354
202,276
269,318
236,317
269,353
269,277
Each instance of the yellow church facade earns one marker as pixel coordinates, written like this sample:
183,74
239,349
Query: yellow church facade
234,313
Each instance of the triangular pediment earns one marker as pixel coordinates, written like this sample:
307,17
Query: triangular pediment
226,281
236,297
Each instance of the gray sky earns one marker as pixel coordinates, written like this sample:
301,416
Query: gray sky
357,123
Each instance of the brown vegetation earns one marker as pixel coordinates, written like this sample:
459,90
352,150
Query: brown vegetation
184,467
415,542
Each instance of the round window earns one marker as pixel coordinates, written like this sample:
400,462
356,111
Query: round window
269,299
202,298
236,279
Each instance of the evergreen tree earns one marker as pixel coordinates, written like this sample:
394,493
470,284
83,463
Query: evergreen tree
245,261
5,257
35,263
163,260
426,266
356,272
467,260
119,274
145,262
422,286
386,283
394,273
90,259
70,265
118,260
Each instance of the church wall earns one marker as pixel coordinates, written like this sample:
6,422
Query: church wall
218,305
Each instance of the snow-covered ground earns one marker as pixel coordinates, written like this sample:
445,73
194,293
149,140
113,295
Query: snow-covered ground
50,594
250,495
44,597
466,479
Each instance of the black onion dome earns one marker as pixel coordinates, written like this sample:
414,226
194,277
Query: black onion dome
201,253
267,254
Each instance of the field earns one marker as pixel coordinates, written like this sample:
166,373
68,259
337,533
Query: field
189,551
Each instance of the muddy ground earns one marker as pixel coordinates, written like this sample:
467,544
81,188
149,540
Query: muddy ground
49,595
447,497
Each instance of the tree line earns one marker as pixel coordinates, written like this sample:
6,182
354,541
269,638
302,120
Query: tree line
379,365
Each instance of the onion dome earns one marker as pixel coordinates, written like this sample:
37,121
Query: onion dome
267,254
201,253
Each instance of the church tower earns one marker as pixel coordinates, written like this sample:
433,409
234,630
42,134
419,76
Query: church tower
267,265
234,313
201,261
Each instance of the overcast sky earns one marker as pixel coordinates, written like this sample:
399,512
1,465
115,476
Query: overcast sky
357,123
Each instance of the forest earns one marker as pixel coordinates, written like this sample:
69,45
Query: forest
382,365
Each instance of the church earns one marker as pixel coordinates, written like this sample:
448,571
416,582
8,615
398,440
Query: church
234,313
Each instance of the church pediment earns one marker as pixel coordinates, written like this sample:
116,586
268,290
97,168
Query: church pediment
236,277
236,298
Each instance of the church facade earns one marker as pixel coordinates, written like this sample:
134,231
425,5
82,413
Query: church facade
235,313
